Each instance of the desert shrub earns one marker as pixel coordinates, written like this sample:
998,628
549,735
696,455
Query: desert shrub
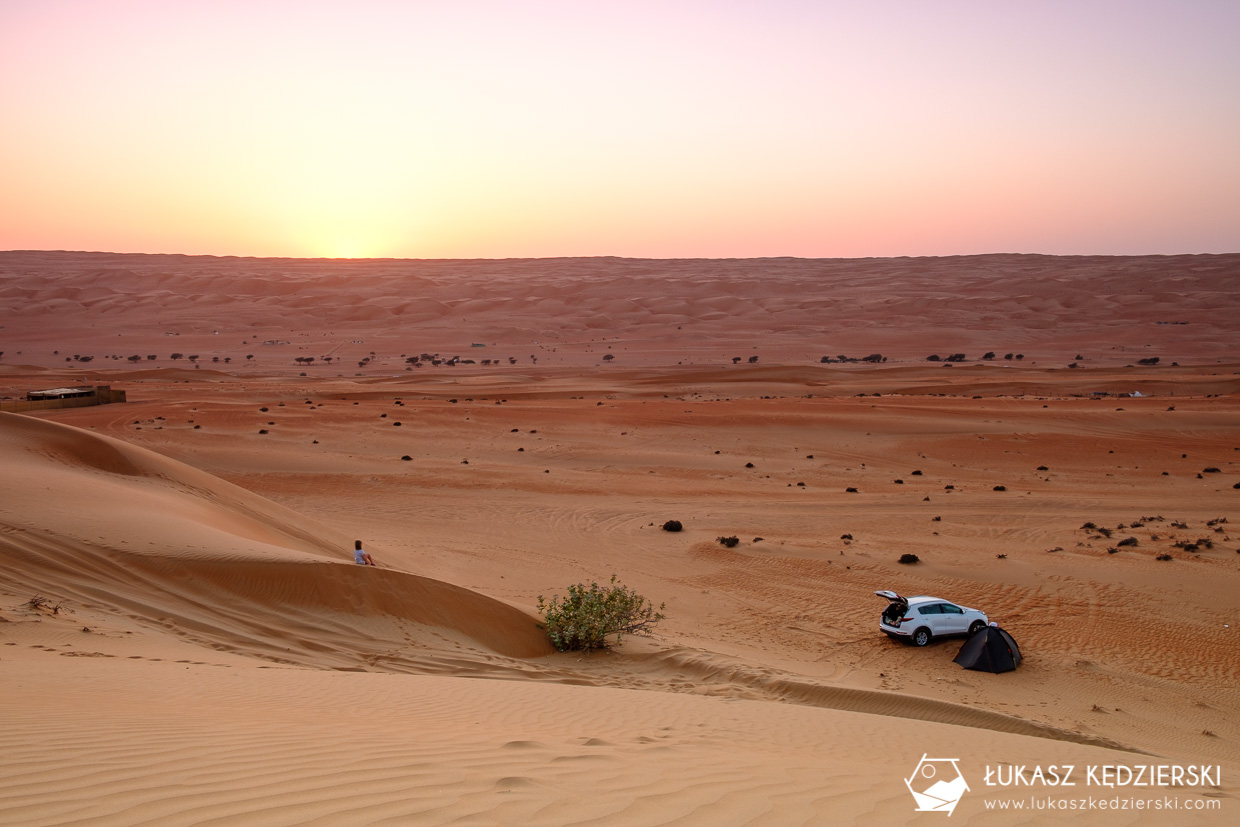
909,558
729,542
1127,541
672,525
589,615
1164,557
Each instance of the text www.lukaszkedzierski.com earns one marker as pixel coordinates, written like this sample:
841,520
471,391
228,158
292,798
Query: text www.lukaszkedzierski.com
1034,802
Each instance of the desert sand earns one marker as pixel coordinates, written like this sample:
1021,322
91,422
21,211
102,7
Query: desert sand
184,638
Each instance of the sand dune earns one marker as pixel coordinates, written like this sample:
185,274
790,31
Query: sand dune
1050,308
119,527
204,649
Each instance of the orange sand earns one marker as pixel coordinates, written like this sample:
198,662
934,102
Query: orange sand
216,656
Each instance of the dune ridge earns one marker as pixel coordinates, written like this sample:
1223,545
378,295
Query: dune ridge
222,565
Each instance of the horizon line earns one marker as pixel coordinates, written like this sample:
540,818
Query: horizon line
611,256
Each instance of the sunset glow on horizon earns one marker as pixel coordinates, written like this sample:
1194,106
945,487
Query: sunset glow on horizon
645,129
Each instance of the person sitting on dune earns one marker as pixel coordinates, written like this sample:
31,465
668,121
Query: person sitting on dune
360,555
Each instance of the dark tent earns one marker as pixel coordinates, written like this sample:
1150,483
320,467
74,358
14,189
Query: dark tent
989,649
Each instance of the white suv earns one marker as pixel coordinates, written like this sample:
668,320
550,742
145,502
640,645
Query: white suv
923,617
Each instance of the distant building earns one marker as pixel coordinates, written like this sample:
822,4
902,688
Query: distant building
60,393
80,397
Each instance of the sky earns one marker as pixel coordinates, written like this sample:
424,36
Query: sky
668,129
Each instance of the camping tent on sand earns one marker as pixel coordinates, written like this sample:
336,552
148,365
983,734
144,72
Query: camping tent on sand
989,649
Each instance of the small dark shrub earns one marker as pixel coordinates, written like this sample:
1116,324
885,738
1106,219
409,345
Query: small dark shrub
909,558
1164,557
1127,541
672,525
729,542
1001,488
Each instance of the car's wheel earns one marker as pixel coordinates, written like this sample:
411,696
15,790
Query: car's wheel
977,624
921,637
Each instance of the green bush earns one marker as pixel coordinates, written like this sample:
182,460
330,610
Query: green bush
588,615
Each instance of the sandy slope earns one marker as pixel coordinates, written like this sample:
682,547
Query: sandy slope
238,667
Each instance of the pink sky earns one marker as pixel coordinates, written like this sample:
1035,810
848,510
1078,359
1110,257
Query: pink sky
660,129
